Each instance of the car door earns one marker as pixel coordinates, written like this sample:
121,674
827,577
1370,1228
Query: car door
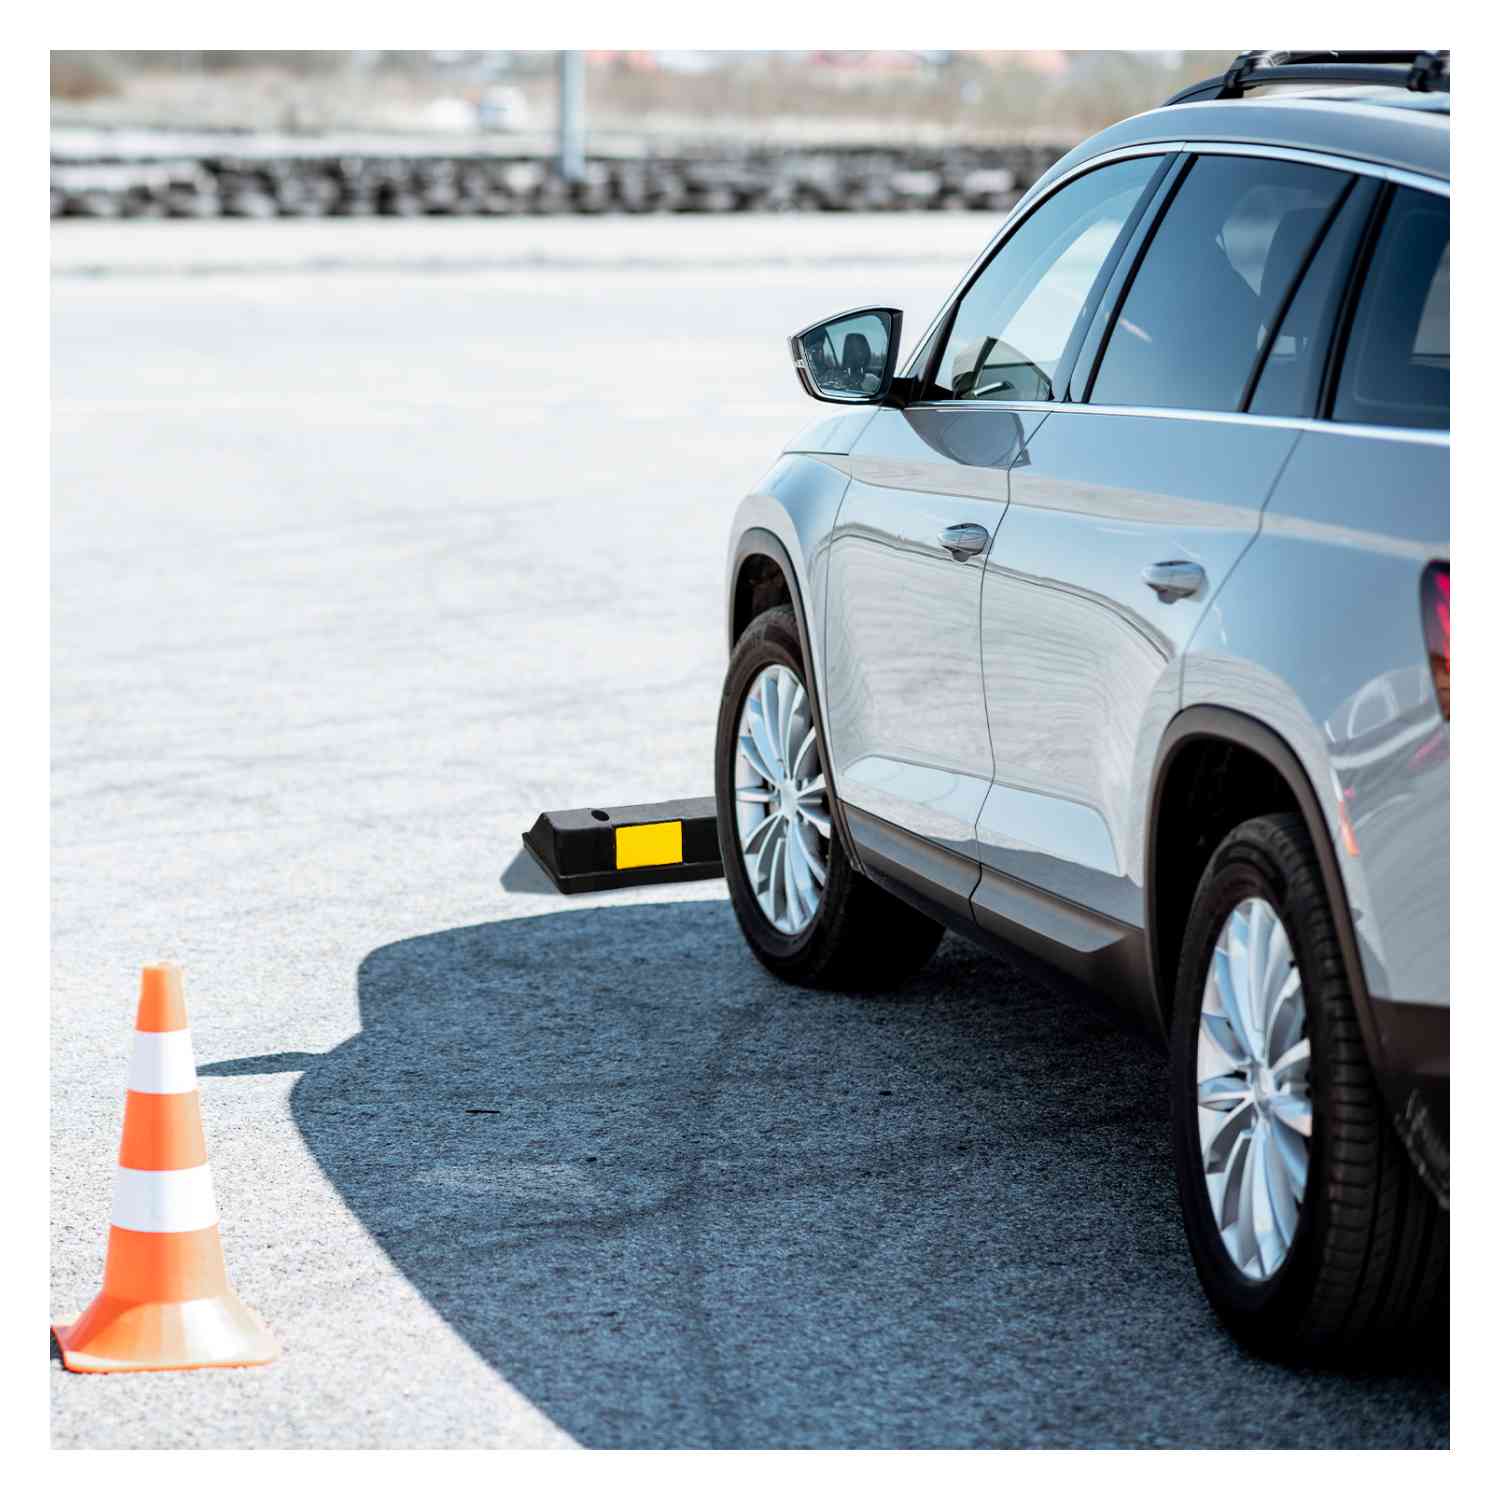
1135,502
928,492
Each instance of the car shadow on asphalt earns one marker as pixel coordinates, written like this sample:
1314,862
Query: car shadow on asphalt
677,1203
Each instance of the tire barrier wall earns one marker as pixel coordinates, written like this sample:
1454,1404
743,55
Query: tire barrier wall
264,178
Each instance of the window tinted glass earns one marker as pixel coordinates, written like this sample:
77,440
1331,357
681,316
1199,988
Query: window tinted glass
1288,384
1014,323
1395,371
1212,282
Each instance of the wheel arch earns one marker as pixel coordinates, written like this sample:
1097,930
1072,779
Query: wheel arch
1186,751
761,582
762,577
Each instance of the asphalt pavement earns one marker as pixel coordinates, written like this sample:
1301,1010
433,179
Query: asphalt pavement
355,573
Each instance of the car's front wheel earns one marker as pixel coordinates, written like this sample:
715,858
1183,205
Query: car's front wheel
807,914
1310,1230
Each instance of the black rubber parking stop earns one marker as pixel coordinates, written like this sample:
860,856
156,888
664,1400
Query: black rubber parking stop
605,848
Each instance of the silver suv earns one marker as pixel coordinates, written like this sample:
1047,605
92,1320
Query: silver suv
1111,629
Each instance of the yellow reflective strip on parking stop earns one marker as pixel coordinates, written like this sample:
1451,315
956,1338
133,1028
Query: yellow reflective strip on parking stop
648,844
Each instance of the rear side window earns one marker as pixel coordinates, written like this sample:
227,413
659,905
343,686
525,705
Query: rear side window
1212,282
1395,370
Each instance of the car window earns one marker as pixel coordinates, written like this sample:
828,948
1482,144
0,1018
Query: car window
1212,282
1013,324
1289,380
1395,370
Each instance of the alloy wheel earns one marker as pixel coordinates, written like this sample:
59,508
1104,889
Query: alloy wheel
1255,1114
781,801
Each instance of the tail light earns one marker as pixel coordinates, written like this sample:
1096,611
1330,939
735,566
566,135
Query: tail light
1436,603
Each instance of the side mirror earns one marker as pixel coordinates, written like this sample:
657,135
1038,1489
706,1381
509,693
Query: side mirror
850,358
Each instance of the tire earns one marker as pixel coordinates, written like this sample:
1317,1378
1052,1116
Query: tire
860,937
1365,1273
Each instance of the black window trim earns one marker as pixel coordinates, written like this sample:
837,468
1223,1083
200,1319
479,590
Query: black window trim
1142,249
1373,190
1122,274
1353,289
1273,332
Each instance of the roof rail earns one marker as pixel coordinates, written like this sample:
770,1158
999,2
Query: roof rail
1421,72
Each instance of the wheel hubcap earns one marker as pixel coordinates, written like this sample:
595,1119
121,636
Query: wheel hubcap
1254,1099
781,801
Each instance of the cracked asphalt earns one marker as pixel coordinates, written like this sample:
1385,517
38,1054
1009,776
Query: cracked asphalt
355,572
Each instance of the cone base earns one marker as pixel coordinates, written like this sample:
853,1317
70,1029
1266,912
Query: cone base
113,1336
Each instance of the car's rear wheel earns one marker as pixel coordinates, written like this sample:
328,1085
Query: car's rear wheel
1308,1225
807,914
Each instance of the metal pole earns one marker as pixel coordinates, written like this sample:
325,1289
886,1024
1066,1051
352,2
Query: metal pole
570,116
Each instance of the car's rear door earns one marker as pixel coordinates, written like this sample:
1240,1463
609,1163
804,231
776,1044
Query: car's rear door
1135,501
928,491
1353,532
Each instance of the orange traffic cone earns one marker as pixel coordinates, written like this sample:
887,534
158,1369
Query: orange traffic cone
166,1303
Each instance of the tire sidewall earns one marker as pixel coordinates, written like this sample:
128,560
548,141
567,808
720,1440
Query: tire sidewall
1245,866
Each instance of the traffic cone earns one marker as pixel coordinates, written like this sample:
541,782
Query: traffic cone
166,1303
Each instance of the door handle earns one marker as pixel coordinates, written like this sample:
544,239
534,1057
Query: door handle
965,540
1174,580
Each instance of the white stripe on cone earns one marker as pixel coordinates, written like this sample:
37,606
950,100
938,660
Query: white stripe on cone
164,1202
162,1063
